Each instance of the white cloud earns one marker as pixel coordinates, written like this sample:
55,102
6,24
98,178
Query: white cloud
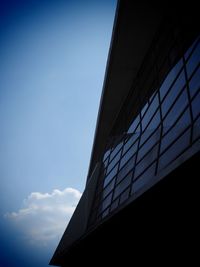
44,216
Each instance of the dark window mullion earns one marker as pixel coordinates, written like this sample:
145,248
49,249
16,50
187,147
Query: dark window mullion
189,99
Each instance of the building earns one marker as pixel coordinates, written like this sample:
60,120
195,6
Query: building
142,179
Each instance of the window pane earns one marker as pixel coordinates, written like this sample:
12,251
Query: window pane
180,82
193,60
151,127
176,110
196,129
131,140
105,163
107,153
182,123
108,188
115,150
170,78
114,205
125,170
122,185
144,179
125,195
106,202
113,162
134,126
111,175
128,154
146,161
196,106
195,82
105,213
144,109
149,144
187,54
152,108
182,143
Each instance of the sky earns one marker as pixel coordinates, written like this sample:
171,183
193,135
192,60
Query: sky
53,57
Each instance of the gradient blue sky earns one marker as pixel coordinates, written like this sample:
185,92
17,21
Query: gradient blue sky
52,63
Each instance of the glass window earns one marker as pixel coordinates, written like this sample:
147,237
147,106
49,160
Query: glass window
108,188
122,185
175,111
182,123
196,129
196,105
113,162
149,144
194,83
115,150
128,154
144,109
193,61
114,205
105,163
131,140
111,175
146,161
151,110
170,78
105,213
144,179
173,93
126,169
124,196
106,202
134,126
107,153
151,127
188,52
175,150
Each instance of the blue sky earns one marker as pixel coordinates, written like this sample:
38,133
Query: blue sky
53,57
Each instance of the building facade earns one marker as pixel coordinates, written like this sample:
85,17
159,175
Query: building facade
147,133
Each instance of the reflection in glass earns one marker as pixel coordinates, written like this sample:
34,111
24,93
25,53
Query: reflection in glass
173,93
182,123
189,51
124,196
144,149
106,202
124,171
194,83
151,110
122,185
151,127
196,105
196,129
181,144
128,154
111,175
143,179
134,126
170,78
176,110
130,141
193,61
115,150
113,162
108,188
146,161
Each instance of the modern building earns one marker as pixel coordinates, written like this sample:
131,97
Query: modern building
142,183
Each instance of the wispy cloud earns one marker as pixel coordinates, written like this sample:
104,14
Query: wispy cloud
44,216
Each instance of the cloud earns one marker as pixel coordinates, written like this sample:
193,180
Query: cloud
44,216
